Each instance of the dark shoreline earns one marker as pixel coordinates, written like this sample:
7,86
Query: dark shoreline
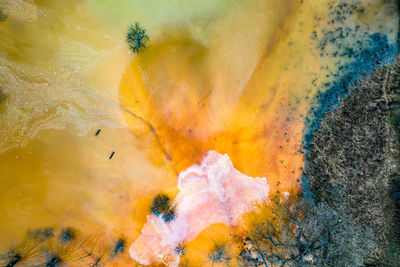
353,158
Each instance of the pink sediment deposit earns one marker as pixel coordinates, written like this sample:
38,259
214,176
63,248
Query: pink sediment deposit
212,192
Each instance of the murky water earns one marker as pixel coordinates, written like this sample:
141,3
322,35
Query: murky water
238,77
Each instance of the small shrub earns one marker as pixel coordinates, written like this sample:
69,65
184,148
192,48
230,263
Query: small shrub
169,215
136,38
394,119
119,246
180,250
161,204
220,254
293,230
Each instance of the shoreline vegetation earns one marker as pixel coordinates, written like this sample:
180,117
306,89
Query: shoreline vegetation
353,161
349,213
63,247
346,215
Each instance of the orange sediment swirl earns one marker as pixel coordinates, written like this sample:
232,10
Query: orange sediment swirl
169,100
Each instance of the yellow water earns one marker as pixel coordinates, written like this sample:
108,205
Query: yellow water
228,75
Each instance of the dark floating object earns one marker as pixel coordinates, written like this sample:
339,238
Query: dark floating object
67,234
97,132
136,37
119,246
112,155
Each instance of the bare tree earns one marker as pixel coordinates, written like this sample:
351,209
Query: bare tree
293,231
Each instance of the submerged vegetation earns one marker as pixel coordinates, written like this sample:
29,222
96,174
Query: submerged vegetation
169,215
67,234
220,254
41,234
180,249
43,247
162,205
2,96
119,246
11,258
53,258
136,38
2,16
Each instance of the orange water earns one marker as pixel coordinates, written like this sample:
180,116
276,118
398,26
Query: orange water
233,76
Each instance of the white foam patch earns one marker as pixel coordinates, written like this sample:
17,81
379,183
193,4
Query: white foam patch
212,192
